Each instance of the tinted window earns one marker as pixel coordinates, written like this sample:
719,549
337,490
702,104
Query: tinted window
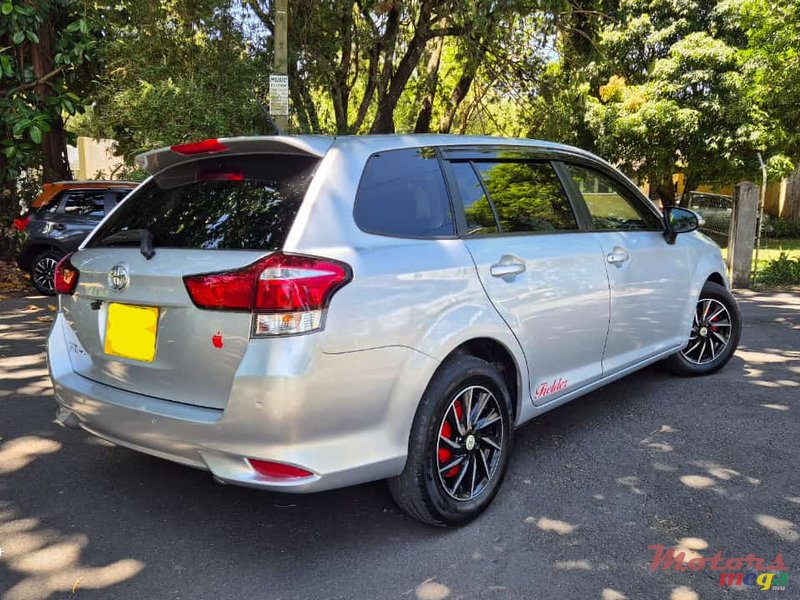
610,205
84,203
527,196
402,193
238,202
478,211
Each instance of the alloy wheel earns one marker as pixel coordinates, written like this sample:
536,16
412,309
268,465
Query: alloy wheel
44,272
711,332
470,443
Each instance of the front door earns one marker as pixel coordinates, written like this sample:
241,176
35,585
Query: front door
649,278
545,278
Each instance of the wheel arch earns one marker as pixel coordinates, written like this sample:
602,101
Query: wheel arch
500,356
25,260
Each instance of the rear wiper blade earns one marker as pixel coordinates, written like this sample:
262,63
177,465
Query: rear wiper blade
142,237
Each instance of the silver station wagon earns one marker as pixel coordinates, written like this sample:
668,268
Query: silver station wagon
306,313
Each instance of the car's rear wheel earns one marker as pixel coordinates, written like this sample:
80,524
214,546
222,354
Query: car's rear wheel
459,446
716,328
43,271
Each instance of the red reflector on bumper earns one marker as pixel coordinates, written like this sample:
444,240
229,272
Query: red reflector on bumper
275,470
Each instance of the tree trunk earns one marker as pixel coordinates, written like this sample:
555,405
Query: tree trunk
384,119
461,90
665,190
423,124
55,164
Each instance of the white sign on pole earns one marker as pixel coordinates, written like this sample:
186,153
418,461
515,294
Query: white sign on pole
279,94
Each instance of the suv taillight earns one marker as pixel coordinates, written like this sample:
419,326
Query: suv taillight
66,276
286,293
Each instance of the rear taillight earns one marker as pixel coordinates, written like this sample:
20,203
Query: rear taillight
212,145
287,293
276,470
21,223
66,278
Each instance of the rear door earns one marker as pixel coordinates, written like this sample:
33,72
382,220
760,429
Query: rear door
650,279
207,215
544,276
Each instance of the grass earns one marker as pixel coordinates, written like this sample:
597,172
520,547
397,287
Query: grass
771,250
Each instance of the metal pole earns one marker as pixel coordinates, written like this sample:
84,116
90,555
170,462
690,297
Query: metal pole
281,52
761,203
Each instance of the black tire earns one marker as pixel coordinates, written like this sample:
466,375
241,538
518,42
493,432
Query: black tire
420,489
43,269
682,363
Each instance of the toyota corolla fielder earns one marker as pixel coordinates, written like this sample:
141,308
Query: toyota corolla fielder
306,313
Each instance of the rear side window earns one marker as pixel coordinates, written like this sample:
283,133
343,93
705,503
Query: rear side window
402,193
225,203
477,210
85,203
527,196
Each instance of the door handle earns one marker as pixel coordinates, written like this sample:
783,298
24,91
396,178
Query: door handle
508,265
619,255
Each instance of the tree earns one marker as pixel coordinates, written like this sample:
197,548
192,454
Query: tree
175,71
45,51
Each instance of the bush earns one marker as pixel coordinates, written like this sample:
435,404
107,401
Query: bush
781,271
785,229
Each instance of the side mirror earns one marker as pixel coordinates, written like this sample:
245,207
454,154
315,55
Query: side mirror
680,220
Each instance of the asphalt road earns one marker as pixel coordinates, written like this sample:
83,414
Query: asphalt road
705,464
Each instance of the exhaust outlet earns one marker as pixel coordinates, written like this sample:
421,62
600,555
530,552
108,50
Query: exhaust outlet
67,418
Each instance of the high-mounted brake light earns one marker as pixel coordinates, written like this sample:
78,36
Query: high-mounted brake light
287,293
203,147
276,470
66,276
212,175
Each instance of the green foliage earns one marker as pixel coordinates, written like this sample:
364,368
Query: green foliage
32,102
785,229
781,271
174,71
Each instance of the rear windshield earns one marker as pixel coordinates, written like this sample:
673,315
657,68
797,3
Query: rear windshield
226,203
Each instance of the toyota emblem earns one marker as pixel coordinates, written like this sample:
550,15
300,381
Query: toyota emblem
118,278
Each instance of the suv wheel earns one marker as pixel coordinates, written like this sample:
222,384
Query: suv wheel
43,270
716,329
459,446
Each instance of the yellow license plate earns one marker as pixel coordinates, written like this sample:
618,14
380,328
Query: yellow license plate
131,331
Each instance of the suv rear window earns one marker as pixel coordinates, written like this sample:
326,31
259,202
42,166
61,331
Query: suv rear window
225,203
402,193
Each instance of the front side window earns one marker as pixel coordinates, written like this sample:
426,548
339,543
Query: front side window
527,197
610,206
402,193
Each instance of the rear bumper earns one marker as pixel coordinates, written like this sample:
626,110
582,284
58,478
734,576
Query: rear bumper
345,417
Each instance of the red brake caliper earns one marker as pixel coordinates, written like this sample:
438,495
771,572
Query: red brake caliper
713,327
445,454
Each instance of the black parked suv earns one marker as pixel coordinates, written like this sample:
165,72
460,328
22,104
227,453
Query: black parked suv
58,228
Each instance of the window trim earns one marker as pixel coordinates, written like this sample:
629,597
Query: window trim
448,191
461,219
625,189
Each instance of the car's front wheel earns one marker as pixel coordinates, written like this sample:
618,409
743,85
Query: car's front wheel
459,446
716,328
43,271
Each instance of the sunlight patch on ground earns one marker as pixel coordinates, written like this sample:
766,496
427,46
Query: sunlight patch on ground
697,482
50,563
559,527
684,593
432,590
18,453
609,594
786,530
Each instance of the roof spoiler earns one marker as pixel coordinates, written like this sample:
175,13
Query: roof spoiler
308,145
